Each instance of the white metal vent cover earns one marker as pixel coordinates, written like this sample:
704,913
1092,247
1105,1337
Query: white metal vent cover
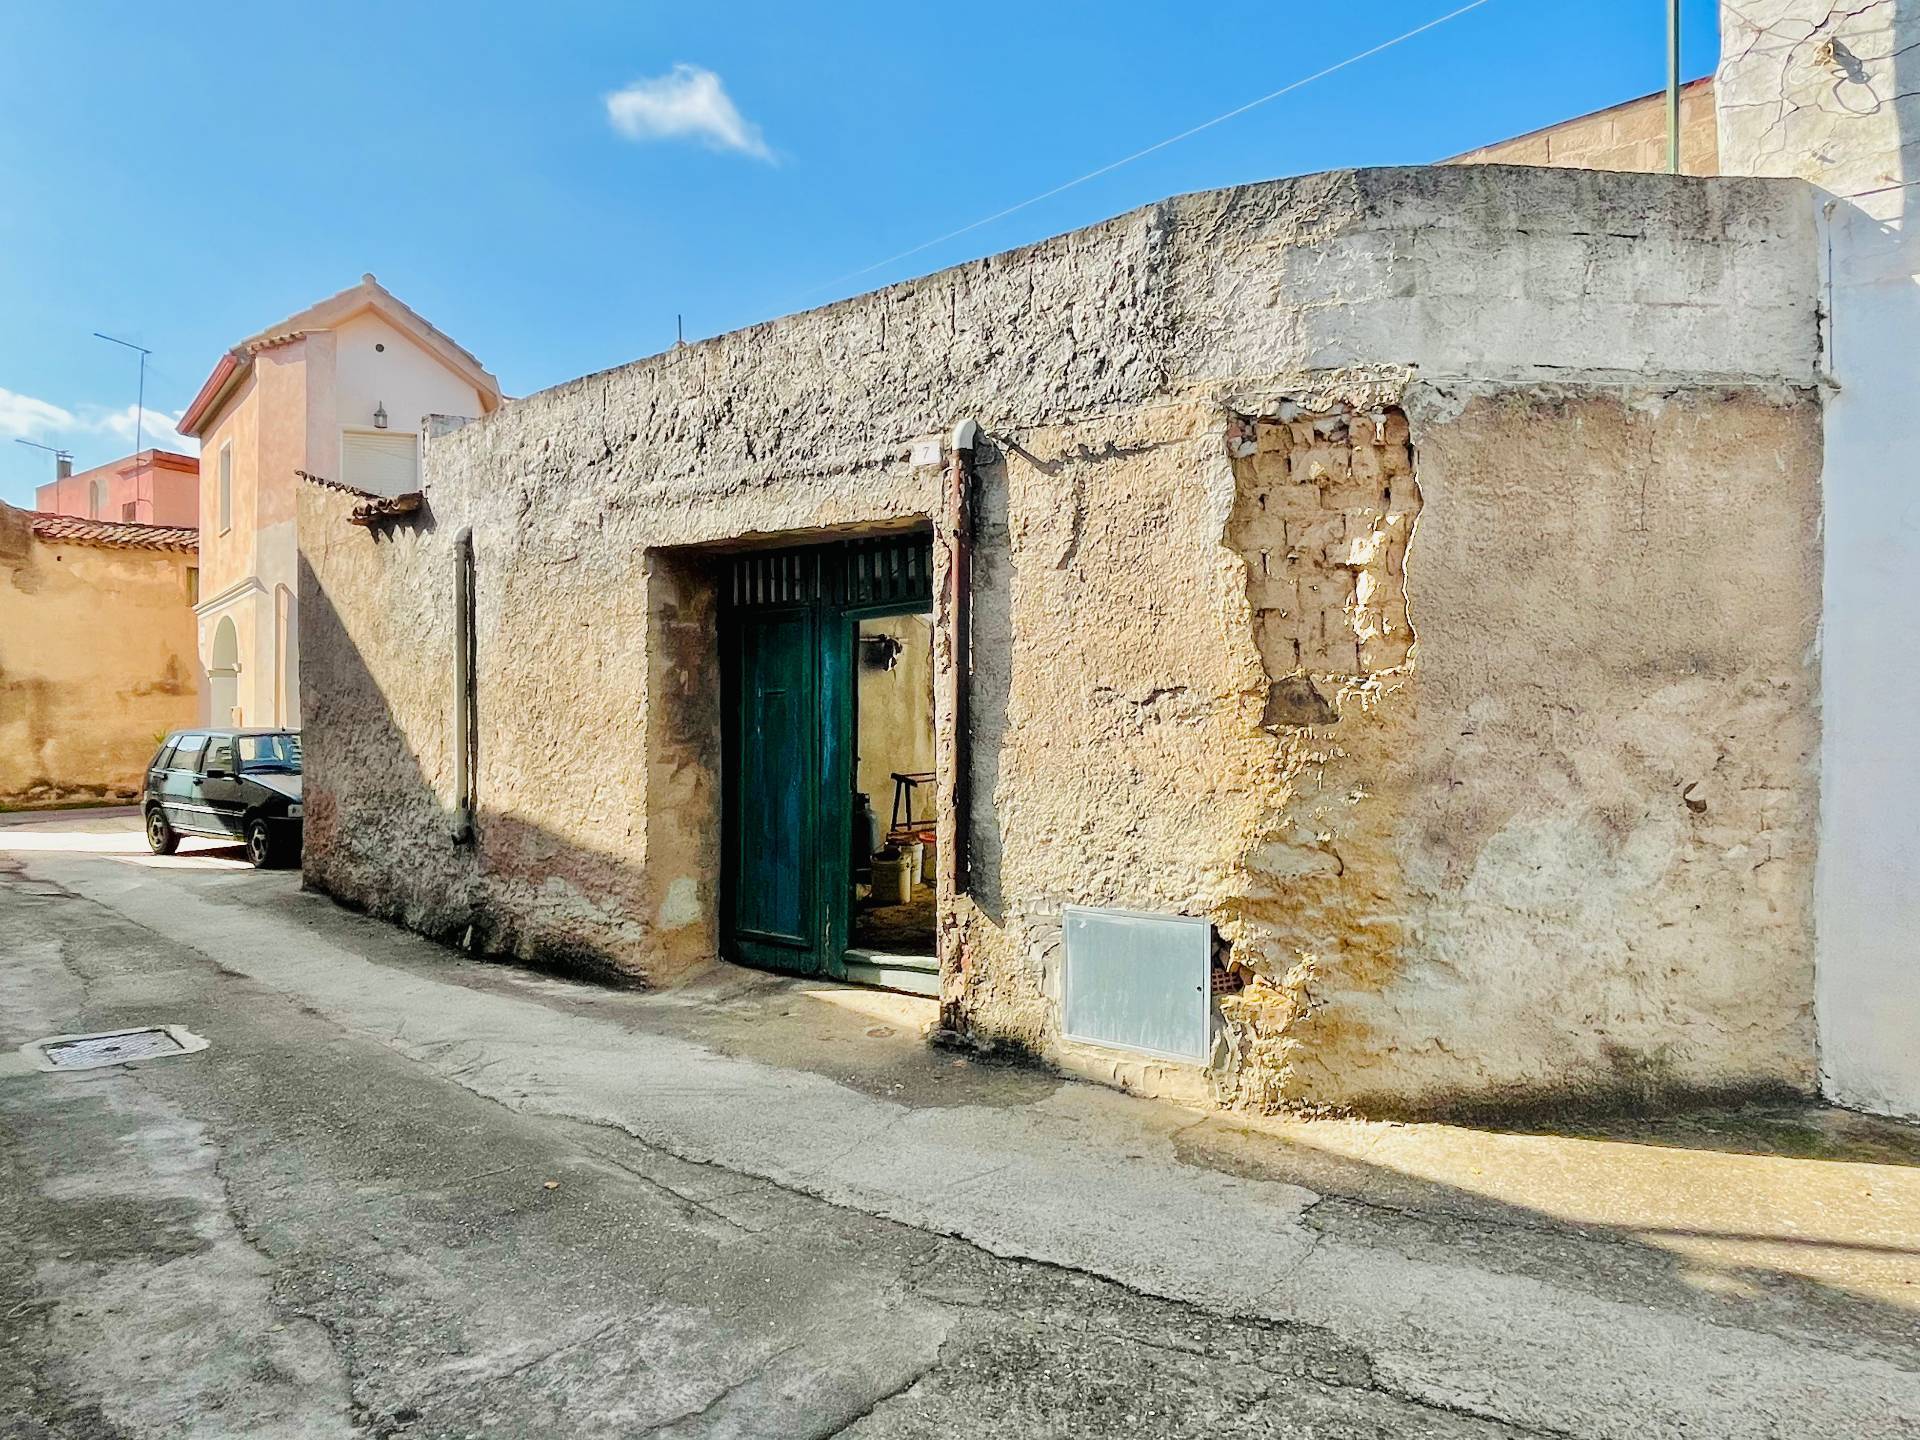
1136,981
111,1047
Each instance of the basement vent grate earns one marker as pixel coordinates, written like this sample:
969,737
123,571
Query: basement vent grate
114,1047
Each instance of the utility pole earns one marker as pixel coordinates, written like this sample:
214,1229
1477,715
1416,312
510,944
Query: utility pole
139,405
1673,87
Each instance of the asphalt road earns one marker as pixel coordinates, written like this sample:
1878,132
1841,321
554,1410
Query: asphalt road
402,1193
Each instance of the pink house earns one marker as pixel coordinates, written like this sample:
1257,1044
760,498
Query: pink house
338,391
155,487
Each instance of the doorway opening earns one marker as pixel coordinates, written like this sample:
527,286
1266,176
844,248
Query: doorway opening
893,802
828,761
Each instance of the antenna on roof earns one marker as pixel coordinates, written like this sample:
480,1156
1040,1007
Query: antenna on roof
140,404
62,459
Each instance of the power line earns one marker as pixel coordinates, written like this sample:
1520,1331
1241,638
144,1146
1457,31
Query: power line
1111,166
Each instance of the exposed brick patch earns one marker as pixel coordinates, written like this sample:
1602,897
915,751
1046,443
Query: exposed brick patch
1325,505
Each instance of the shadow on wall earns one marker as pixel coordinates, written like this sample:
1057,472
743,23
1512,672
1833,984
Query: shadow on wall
518,892
1699,1261
543,889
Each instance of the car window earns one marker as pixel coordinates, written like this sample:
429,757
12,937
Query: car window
219,755
164,756
271,754
186,754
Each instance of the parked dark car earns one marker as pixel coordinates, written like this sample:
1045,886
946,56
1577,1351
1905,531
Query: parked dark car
228,784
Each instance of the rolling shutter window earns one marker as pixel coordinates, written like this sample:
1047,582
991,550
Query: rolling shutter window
383,464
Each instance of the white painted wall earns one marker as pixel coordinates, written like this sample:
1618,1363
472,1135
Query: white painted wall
1825,92
402,376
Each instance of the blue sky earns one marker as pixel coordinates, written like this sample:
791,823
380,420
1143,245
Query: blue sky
184,176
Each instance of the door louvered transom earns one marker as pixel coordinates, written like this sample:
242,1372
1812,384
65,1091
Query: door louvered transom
889,570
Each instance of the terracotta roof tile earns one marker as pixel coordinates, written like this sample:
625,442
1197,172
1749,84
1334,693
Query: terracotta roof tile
385,507
125,534
376,507
345,489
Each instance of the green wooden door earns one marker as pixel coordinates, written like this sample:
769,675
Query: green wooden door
774,824
788,637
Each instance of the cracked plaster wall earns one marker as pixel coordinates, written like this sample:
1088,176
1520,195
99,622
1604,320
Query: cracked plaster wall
1551,345
1565,851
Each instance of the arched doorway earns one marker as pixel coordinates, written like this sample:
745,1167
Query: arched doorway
223,674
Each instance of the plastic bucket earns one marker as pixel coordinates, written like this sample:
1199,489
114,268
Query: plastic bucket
893,880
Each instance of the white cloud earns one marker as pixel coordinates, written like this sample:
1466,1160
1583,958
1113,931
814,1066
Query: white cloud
25,418
687,103
155,431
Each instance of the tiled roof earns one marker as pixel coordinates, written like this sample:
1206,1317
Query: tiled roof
72,530
345,489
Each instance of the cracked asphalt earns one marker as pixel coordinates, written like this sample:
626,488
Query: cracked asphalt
402,1193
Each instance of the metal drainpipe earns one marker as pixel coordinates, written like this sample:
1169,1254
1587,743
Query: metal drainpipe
1673,87
957,534
463,687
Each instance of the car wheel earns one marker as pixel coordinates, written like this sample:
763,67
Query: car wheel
161,838
260,847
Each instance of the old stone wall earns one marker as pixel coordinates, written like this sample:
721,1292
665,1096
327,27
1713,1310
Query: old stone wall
1217,668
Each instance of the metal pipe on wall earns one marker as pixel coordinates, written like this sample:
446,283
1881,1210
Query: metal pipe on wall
1673,87
955,534
953,750
463,688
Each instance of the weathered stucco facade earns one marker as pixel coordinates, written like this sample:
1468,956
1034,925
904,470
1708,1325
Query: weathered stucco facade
96,653
1413,572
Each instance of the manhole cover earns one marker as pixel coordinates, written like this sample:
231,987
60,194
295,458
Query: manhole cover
115,1047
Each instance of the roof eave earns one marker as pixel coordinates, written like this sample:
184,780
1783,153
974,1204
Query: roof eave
206,403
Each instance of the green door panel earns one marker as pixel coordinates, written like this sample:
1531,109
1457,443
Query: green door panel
837,733
775,813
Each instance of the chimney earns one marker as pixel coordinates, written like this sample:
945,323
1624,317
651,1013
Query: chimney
62,466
